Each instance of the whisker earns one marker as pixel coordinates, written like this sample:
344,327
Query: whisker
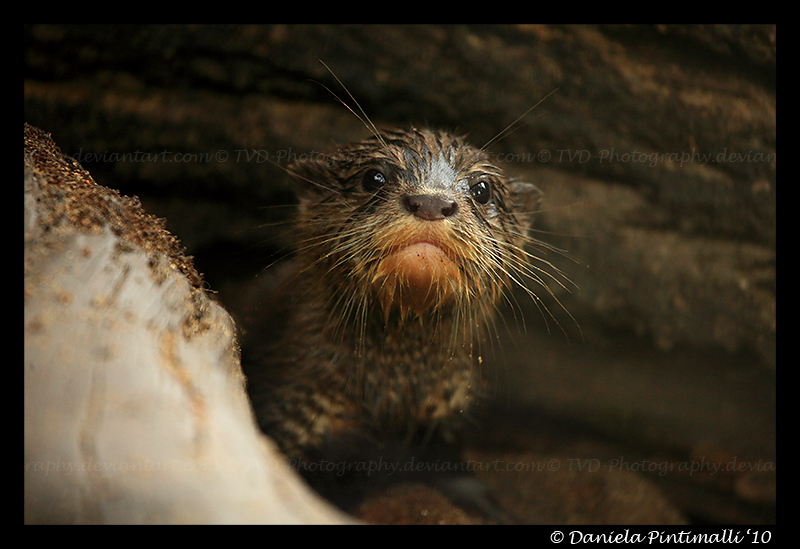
365,120
505,132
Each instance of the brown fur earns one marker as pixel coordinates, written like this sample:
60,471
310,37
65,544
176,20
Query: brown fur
383,337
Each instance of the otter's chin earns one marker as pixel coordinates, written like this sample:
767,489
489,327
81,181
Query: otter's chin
419,277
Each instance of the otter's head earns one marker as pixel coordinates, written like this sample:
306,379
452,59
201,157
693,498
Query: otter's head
413,224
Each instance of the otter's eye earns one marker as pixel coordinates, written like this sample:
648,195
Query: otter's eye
481,192
372,181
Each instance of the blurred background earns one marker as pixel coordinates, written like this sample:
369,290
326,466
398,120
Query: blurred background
656,154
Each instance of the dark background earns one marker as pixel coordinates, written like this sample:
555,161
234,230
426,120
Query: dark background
657,156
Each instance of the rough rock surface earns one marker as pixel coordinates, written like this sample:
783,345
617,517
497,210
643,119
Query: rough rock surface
135,408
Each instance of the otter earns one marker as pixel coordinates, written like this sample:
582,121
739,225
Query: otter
407,244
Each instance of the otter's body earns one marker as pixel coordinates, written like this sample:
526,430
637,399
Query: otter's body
407,242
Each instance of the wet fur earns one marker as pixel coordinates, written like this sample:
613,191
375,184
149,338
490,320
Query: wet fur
352,364
360,368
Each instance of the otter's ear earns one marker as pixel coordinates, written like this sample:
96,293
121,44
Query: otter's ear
525,199
312,179
525,196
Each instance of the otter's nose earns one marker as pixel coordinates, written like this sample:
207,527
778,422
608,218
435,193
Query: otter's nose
429,207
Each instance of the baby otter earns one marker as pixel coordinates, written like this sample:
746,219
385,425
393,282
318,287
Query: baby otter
407,241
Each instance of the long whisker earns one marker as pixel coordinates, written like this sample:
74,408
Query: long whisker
365,120
507,130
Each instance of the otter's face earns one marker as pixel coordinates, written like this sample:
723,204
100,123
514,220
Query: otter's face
419,222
